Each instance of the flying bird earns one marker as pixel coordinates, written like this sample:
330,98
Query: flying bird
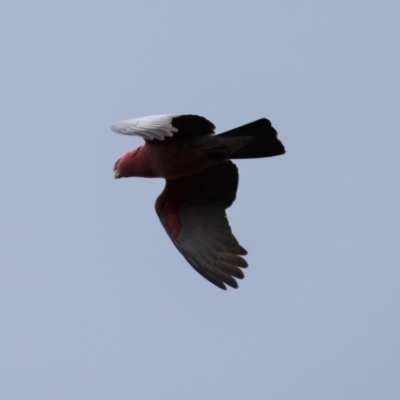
201,183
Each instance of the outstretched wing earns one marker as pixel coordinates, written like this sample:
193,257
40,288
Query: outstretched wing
192,211
160,127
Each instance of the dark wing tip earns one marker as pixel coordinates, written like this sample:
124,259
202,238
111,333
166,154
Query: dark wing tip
193,125
242,251
210,277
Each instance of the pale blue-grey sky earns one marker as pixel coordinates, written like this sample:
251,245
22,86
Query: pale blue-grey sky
95,301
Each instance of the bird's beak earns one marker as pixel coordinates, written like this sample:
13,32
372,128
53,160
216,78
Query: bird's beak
115,169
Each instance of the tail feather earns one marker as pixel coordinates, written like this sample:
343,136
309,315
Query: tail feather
265,143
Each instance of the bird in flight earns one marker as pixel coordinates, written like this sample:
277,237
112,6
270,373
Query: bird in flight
201,183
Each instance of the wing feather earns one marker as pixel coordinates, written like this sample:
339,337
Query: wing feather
207,239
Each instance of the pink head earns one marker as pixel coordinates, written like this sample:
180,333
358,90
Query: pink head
125,165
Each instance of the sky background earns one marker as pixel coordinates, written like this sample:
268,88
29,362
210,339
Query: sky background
95,301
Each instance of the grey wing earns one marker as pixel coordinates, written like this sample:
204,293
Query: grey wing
207,243
200,229
160,127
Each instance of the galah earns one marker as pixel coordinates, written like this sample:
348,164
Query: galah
201,183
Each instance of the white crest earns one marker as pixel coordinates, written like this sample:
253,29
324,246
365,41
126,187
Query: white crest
152,127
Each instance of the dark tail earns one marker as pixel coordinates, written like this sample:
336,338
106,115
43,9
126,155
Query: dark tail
265,143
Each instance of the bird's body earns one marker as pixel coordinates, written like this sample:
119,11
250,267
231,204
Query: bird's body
201,182
171,159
